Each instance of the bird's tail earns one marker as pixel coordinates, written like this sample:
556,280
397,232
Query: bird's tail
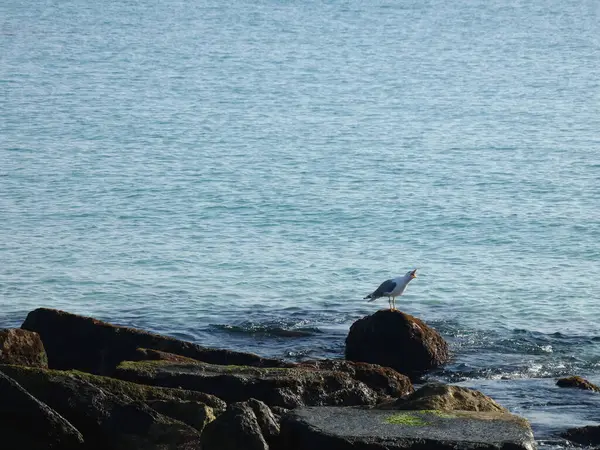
370,297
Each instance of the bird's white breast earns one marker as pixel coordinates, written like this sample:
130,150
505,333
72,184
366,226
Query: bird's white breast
401,283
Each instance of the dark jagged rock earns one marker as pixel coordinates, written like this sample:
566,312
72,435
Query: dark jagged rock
589,435
443,397
106,420
397,340
328,428
577,382
235,429
22,347
195,414
268,423
286,387
191,407
383,380
90,345
27,423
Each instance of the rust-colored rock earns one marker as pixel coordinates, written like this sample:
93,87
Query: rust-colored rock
397,340
22,347
577,382
90,345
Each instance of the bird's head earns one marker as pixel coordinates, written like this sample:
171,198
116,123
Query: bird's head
411,274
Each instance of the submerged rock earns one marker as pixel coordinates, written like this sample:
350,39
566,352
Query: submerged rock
327,428
383,380
286,387
105,420
90,345
22,347
397,340
27,423
244,426
589,435
443,397
577,382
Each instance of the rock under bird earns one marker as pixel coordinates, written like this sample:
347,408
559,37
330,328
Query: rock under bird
393,288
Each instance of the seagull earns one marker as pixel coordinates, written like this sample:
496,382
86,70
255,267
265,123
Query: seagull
393,288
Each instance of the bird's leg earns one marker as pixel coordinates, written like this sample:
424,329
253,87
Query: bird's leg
390,302
394,303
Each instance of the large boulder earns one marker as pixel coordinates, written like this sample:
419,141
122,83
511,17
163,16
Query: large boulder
236,429
193,408
327,428
285,387
444,397
27,423
90,345
397,340
577,382
383,380
589,435
106,420
22,347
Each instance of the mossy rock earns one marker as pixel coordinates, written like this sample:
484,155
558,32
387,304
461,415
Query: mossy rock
84,343
104,419
22,347
445,397
28,423
191,407
285,387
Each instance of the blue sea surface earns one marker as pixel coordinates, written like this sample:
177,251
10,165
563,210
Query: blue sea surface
241,175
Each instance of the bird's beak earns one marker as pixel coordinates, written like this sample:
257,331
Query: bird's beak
414,274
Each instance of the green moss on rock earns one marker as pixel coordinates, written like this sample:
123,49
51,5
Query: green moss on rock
407,419
138,392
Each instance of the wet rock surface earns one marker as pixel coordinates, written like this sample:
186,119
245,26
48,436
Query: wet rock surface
589,435
577,382
359,428
285,387
397,340
27,423
22,347
91,345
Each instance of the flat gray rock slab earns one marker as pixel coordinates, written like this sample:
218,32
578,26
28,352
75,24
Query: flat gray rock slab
341,428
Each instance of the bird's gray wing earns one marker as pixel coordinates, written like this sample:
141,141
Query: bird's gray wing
384,289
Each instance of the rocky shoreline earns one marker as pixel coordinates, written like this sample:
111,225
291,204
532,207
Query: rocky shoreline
74,382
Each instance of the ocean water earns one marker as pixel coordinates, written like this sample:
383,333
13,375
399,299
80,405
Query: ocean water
242,175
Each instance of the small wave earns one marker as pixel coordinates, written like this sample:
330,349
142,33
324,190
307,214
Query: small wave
267,330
